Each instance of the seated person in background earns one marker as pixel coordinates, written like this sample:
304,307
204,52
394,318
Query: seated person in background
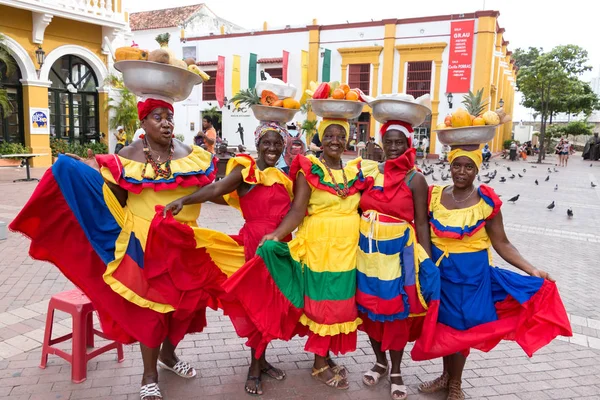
487,154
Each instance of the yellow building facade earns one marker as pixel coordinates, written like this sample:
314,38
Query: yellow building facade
67,89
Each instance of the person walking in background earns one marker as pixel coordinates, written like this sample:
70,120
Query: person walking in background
240,130
513,151
425,145
120,135
208,136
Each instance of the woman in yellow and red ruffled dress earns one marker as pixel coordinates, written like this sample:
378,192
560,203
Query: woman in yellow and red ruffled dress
395,276
480,304
263,194
98,224
311,279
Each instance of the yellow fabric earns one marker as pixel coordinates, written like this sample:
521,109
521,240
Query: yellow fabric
235,74
474,155
459,218
138,213
268,177
330,330
327,122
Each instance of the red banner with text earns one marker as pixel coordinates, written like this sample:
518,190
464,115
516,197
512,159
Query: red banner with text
286,58
460,62
220,81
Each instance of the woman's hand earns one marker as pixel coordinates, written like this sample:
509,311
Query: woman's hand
542,274
269,236
90,161
175,207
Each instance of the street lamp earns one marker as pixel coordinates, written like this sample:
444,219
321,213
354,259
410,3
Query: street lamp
501,103
40,56
449,97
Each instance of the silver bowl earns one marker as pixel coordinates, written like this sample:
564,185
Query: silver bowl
277,114
330,108
144,78
282,91
466,135
399,110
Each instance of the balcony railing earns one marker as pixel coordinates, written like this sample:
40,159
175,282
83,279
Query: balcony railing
101,12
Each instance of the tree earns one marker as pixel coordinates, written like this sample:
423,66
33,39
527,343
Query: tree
125,108
577,128
7,67
550,83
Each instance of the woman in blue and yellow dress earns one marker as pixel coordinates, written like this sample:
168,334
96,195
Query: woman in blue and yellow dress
99,226
394,273
480,304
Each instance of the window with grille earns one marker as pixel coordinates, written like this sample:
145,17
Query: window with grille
209,87
275,72
359,76
418,79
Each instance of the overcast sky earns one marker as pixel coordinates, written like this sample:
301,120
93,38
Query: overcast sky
527,22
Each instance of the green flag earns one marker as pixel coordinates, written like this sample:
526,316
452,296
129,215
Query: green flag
326,66
252,71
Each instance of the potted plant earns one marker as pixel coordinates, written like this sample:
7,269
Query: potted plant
11,148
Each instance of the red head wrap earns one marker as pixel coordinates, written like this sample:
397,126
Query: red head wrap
401,126
146,107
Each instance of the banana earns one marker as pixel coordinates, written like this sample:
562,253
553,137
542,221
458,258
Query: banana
195,69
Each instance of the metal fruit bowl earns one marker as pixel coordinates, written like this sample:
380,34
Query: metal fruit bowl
282,91
145,78
399,110
329,108
269,113
466,135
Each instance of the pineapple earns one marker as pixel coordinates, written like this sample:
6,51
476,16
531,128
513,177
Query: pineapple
163,39
248,97
474,103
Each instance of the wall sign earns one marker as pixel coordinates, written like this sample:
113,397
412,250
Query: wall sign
460,62
39,122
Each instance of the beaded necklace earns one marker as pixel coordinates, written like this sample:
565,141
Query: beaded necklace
343,192
160,169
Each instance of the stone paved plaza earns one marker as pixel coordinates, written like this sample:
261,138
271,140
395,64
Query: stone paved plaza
566,369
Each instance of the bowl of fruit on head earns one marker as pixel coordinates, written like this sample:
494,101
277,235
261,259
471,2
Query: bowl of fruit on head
158,72
471,124
401,107
335,100
268,105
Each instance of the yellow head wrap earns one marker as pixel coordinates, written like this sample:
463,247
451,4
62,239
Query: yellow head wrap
474,155
327,122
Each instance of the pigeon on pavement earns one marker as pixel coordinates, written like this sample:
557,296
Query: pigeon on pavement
551,206
547,178
513,199
570,213
593,184
536,182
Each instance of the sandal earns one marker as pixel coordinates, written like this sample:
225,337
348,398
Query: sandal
455,391
257,391
336,382
181,368
337,369
150,390
435,385
273,372
374,375
398,388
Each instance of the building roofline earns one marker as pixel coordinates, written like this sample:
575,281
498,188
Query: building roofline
435,18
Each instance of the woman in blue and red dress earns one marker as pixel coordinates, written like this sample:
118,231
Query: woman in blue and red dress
480,304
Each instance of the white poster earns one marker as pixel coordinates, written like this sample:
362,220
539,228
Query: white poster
39,122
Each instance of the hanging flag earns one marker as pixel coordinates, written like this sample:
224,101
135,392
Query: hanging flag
220,82
304,75
286,57
252,71
235,76
326,75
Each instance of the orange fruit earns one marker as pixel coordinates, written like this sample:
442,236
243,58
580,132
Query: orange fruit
267,98
291,103
352,95
448,120
277,103
478,121
338,94
344,87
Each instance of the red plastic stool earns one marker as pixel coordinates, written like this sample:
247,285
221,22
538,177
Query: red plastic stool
81,309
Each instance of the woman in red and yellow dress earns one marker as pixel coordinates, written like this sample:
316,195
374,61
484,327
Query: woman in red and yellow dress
98,225
394,273
312,279
480,304
263,194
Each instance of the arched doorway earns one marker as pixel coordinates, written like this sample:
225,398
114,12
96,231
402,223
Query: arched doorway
73,100
12,126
